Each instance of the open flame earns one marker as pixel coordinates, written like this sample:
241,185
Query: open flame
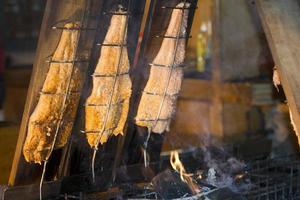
184,176
177,165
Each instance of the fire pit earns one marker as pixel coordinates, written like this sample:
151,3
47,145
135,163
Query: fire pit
259,179
255,179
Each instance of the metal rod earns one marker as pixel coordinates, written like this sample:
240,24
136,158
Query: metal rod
73,29
112,94
155,94
112,45
167,85
173,37
93,164
102,105
3,192
42,179
145,147
63,104
184,8
116,13
59,94
154,120
97,131
66,62
169,66
109,75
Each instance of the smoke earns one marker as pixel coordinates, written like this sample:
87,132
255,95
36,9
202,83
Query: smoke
278,123
222,169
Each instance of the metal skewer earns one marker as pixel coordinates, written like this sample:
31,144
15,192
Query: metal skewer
172,66
63,107
115,77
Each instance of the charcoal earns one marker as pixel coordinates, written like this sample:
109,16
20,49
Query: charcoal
168,185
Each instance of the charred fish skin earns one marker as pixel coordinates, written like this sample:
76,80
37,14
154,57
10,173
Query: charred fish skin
45,118
156,110
111,81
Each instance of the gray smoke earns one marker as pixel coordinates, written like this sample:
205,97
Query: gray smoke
222,172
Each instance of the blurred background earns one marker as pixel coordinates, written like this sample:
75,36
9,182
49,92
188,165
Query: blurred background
20,22
251,108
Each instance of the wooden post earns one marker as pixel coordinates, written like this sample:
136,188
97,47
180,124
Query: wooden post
281,23
216,109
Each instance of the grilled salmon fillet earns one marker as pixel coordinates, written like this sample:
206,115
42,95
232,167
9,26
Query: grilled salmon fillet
158,101
45,120
111,85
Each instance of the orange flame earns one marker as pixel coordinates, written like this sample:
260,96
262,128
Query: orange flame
179,167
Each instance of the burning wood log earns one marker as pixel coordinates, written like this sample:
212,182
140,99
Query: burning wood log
48,124
107,106
159,97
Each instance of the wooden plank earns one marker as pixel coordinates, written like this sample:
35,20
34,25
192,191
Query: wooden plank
23,172
216,114
201,90
191,124
196,89
8,138
58,11
156,24
281,22
22,132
